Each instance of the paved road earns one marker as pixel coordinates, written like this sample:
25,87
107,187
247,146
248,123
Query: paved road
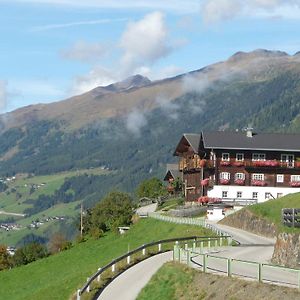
253,247
128,285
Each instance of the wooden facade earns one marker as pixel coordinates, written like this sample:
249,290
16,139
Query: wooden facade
204,167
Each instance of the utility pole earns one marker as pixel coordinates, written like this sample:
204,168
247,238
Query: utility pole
81,220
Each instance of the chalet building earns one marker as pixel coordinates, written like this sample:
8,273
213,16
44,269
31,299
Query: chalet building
242,166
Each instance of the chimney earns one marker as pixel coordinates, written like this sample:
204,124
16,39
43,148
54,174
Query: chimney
249,132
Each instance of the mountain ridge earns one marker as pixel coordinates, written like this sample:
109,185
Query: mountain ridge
119,99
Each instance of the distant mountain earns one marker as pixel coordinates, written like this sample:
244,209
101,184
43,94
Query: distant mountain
133,126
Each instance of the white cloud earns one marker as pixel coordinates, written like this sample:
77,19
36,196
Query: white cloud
213,11
195,83
3,95
85,52
160,73
169,108
97,76
73,24
144,41
135,121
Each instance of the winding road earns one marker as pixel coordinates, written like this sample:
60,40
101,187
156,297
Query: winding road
253,248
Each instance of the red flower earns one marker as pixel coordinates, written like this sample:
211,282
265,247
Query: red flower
295,183
238,163
225,163
258,182
205,181
224,181
239,181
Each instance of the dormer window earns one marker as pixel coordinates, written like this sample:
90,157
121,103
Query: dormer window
225,157
258,156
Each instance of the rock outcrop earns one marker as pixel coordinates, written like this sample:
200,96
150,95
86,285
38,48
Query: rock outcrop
287,250
246,220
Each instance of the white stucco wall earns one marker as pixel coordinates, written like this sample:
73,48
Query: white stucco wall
247,191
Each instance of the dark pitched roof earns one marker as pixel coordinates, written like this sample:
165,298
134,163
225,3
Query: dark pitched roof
173,173
261,141
193,139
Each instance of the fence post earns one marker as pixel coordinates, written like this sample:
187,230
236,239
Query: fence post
188,256
204,263
88,287
216,244
260,272
194,245
229,240
229,261
176,252
113,268
159,247
201,247
144,251
208,244
78,294
221,241
99,276
128,259
185,246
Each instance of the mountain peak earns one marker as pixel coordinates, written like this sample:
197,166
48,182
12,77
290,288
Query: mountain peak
135,81
258,53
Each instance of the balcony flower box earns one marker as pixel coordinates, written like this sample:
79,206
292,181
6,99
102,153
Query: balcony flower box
295,183
266,163
224,181
206,199
239,181
225,163
205,182
238,164
258,183
297,164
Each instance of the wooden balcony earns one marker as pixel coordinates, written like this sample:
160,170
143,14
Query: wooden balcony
194,163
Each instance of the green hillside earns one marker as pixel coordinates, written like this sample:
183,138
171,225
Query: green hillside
28,195
178,282
271,210
58,276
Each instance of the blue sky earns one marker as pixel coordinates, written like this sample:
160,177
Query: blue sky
51,50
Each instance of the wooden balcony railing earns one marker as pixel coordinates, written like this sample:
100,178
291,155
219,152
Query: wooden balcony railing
194,163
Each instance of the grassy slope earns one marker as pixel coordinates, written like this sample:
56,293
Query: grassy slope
271,210
58,276
175,281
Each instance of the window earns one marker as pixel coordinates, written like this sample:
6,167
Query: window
280,178
268,195
239,176
239,157
225,175
279,195
295,178
255,195
225,156
224,194
288,159
239,194
258,156
258,176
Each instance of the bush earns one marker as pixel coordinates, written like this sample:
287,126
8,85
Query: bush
114,210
